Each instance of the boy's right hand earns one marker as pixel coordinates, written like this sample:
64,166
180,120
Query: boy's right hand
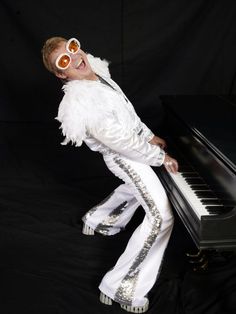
170,164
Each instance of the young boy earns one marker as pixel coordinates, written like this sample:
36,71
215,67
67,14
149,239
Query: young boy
94,110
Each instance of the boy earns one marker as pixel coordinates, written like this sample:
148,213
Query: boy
94,110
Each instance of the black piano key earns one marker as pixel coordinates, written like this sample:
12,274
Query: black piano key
205,194
227,202
200,187
216,207
215,210
211,202
219,209
190,175
194,181
216,202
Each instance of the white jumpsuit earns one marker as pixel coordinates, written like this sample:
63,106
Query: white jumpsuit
103,118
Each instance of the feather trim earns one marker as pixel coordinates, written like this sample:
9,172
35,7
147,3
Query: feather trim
87,104
99,66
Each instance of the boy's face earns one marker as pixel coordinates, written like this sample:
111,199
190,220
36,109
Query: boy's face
79,67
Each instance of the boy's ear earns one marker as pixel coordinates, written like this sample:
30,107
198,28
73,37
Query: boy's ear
60,75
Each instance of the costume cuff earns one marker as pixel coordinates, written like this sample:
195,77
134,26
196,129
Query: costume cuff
161,157
149,136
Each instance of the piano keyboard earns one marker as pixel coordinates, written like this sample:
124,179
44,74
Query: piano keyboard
198,194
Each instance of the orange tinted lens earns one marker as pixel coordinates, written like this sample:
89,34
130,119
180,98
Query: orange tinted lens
64,61
73,46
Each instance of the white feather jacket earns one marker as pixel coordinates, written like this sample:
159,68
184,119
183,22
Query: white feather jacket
104,119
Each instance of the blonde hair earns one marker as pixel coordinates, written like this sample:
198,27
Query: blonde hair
49,46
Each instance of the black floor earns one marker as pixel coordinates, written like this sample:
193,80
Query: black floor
48,266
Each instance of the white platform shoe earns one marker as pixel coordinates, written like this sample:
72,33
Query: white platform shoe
104,298
87,230
132,309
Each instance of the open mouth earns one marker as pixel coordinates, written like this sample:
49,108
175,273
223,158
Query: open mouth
81,65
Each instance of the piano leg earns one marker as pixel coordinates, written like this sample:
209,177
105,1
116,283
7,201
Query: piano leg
199,260
203,260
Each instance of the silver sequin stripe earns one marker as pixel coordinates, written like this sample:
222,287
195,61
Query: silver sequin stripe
107,224
125,292
92,210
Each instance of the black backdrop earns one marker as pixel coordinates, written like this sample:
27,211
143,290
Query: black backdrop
155,48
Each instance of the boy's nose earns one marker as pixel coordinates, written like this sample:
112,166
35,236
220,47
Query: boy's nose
76,56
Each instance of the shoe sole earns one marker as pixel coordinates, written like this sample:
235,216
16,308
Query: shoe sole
87,230
132,309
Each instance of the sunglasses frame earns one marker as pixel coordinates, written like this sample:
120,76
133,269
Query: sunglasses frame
68,53
68,44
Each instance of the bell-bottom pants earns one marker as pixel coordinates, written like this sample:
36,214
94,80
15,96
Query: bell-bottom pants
135,272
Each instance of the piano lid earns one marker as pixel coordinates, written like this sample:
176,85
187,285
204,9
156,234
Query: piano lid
212,118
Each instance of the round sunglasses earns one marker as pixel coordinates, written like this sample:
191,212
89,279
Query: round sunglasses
63,61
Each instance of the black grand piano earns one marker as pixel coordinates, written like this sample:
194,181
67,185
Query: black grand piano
201,135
